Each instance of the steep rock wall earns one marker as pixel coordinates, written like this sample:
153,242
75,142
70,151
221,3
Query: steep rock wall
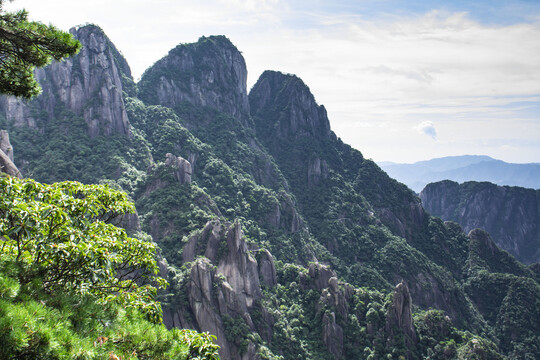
211,73
225,284
509,214
88,84
302,115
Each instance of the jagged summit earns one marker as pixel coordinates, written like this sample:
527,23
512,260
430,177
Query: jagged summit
89,85
291,105
89,31
211,73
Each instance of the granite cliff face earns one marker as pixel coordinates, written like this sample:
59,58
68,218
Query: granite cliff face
6,156
509,214
88,85
210,73
181,167
302,115
223,286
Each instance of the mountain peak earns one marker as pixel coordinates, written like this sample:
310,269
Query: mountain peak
211,72
288,100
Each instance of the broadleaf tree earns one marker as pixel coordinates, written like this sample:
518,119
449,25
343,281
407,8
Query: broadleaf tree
64,236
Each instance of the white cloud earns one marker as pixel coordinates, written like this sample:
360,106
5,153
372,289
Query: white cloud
427,127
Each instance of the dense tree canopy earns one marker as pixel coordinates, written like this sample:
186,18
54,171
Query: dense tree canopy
62,236
25,45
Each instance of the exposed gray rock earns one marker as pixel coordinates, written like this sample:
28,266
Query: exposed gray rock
5,145
7,166
211,235
334,295
88,84
211,72
510,215
321,275
6,156
240,267
201,302
399,316
130,222
234,272
285,215
267,269
302,115
17,112
317,169
182,168
332,335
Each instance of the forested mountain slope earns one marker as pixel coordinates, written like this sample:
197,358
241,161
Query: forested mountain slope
275,235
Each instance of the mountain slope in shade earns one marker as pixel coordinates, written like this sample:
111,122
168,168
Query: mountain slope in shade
464,168
509,214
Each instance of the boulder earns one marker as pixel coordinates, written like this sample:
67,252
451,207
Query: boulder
182,168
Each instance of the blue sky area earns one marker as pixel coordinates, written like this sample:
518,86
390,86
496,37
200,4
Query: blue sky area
495,12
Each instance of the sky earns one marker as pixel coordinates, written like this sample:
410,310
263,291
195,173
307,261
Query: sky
402,81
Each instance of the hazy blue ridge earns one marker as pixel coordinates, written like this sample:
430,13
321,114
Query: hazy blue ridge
464,168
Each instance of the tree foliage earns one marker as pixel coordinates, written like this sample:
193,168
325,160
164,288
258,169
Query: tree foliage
64,235
25,45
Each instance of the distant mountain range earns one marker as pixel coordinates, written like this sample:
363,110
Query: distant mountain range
464,168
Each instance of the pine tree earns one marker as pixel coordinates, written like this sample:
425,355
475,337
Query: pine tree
25,45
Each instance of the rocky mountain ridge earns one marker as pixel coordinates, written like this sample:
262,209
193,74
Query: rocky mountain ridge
275,235
509,214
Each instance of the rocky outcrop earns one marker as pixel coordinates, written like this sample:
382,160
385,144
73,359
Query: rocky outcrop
267,269
181,168
332,335
6,156
509,214
284,215
334,295
211,73
7,166
5,144
240,268
298,114
399,316
202,300
224,284
88,84
317,170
